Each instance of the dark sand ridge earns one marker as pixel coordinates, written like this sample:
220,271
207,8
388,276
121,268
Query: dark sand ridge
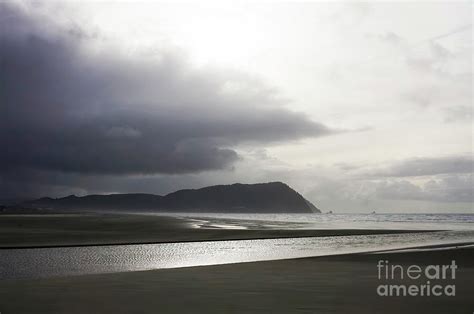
52,230
335,284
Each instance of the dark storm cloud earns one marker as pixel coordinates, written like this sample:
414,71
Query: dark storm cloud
69,105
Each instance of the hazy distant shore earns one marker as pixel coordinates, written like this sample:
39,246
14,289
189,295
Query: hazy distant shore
51,230
337,284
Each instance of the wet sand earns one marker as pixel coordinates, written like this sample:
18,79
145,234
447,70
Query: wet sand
82,229
336,284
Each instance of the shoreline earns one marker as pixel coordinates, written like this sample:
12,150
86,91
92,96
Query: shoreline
279,234
113,229
329,284
69,261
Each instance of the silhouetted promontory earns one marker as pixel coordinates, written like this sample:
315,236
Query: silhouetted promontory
273,197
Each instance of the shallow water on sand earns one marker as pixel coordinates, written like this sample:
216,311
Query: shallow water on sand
334,221
61,261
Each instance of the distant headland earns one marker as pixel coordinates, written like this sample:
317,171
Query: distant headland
272,197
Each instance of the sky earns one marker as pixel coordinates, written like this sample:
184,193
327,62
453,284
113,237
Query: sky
359,106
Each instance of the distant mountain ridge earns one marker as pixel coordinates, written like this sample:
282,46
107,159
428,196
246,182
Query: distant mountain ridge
272,197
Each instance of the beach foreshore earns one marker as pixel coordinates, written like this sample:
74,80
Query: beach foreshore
326,284
85,229
332,284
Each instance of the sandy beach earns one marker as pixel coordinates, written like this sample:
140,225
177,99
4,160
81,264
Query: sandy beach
326,284
82,229
338,284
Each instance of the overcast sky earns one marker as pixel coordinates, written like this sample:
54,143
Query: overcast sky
358,106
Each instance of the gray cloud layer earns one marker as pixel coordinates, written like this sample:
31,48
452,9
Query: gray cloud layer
68,108
450,180
437,181
428,166
453,188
